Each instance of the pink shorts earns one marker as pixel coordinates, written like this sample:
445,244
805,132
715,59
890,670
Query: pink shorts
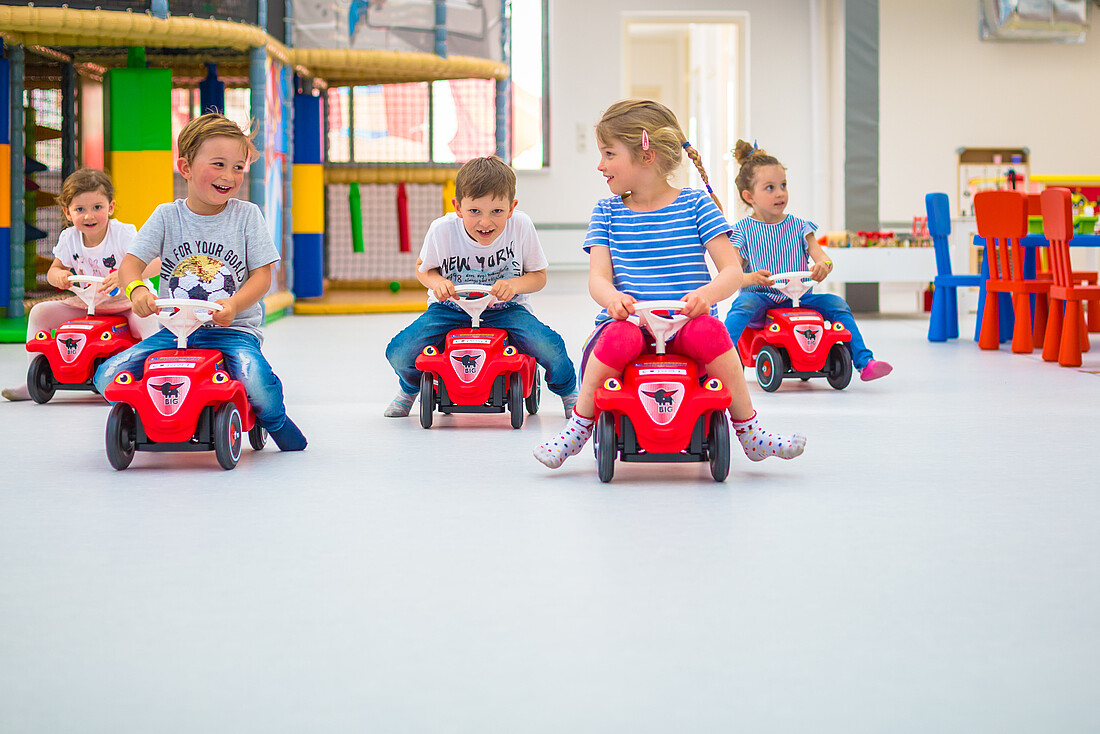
704,339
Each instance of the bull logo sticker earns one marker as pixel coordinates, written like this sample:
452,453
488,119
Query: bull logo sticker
807,337
168,393
70,345
467,363
661,400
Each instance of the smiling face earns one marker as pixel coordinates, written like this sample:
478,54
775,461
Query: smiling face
215,174
89,212
618,166
768,196
484,217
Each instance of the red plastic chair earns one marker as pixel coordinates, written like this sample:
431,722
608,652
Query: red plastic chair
1044,268
1002,221
1067,336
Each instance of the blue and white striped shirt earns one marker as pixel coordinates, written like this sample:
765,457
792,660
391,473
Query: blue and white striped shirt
657,255
777,248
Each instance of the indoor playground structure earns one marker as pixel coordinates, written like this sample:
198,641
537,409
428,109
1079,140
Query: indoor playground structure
340,101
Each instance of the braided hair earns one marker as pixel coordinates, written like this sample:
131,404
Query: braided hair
632,121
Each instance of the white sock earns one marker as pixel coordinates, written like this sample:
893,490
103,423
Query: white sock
760,444
19,392
400,406
567,443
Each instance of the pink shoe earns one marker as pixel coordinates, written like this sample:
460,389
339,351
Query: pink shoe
874,370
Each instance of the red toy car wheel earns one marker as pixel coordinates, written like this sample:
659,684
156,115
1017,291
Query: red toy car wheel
606,446
770,368
718,446
257,437
427,399
228,435
515,399
40,381
121,435
532,400
838,368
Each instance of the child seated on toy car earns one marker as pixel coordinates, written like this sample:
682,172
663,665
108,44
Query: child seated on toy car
486,241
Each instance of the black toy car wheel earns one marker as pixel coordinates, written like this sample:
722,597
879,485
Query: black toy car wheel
121,435
427,399
718,446
838,368
257,437
532,400
228,435
40,382
606,446
515,399
770,368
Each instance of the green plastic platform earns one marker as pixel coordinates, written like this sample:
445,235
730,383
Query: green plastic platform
13,331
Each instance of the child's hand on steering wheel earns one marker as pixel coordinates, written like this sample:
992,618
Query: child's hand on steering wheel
110,282
620,306
760,277
820,271
444,290
503,290
226,315
697,305
143,302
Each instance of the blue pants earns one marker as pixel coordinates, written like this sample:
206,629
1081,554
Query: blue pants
243,361
750,307
525,332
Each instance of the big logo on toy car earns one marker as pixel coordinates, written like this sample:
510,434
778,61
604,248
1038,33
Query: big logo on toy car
796,342
659,410
184,401
477,371
68,359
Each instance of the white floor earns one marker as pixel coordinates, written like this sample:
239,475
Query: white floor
929,565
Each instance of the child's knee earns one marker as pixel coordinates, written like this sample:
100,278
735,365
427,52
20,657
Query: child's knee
707,337
618,343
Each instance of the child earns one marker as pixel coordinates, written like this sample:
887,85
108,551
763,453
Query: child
484,242
647,242
223,241
93,245
771,241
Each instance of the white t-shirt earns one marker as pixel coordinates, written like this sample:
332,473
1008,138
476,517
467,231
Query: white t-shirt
464,262
99,260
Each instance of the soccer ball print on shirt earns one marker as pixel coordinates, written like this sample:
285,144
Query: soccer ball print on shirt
203,278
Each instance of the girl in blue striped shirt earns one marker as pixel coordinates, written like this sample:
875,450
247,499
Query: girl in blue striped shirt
648,242
771,241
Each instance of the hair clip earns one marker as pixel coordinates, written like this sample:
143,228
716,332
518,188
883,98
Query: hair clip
755,148
645,139
686,145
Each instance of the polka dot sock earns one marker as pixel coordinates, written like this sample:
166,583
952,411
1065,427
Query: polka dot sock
760,444
567,443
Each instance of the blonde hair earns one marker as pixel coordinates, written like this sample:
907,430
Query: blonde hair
83,181
211,125
488,176
750,158
628,119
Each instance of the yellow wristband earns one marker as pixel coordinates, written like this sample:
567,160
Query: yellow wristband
134,284
828,262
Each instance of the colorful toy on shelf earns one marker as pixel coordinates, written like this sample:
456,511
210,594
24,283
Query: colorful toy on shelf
478,371
658,411
796,342
68,359
185,399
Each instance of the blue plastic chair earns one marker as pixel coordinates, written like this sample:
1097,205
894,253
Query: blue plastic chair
944,323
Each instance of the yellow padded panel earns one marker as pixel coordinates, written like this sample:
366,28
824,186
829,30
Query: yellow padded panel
143,181
307,210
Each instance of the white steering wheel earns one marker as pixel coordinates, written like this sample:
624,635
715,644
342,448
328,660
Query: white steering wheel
474,306
663,328
794,284
189,314
84,287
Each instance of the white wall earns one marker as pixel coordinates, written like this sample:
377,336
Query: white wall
941,88
586,77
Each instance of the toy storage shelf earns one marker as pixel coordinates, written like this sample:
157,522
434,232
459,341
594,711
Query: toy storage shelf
882,264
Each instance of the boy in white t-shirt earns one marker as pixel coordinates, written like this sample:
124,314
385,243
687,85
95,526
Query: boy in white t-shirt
485,242
94,245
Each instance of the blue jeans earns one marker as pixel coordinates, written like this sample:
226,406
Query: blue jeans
243,361
525,332
750,307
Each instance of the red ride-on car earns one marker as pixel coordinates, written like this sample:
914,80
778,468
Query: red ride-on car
68,360
662,409
478,371
796,342
184,401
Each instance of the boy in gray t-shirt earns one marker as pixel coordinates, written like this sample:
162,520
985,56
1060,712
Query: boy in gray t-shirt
217,248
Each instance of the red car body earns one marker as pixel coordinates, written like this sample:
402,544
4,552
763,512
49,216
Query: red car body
805,344
77,349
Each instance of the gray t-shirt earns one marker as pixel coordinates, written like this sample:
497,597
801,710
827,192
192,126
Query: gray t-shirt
208,257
